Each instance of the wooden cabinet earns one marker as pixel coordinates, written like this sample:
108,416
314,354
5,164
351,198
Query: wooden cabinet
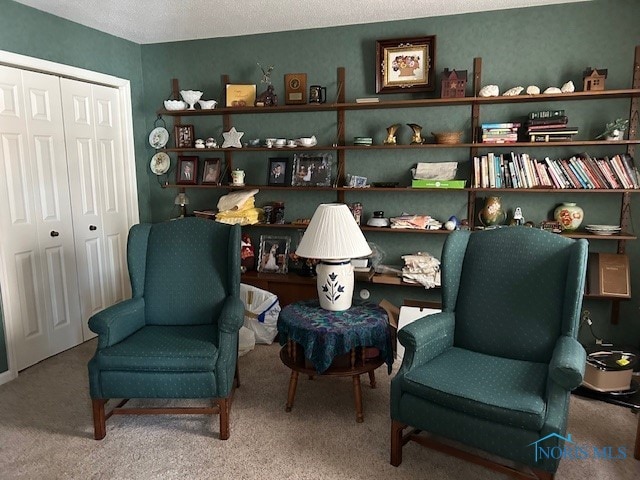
472,147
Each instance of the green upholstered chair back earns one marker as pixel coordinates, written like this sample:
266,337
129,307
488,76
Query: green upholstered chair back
184,269
517,290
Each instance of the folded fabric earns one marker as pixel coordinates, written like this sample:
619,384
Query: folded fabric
246,216
421,268
423,222
235,200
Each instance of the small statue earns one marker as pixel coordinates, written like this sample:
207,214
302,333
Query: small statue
391,134
489,91
268,98
416,138
512,92
533,90
518,218
568,87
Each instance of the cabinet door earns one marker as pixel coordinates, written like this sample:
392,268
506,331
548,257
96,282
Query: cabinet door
36,239
96,180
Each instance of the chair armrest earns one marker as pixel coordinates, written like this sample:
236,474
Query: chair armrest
567,363
232,315
117,322
426,338
229,323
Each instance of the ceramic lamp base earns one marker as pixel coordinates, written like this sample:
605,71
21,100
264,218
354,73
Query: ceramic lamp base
335,284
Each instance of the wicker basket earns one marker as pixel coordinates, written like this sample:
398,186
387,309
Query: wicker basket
448,138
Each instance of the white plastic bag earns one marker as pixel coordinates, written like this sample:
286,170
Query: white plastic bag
261,310
246,340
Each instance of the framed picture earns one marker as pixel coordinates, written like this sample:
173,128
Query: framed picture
240,95
274,254
184,135
211,171
312,170
405,64
187,172
279,172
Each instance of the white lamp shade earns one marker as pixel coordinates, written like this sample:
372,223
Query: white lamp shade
333,234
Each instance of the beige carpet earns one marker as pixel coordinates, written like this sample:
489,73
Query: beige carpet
46,432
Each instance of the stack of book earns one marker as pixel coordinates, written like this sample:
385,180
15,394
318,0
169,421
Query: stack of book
500,132
579,172
549,126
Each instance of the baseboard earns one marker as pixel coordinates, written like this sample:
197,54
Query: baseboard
6,377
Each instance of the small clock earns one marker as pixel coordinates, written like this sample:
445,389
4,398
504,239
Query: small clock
295,88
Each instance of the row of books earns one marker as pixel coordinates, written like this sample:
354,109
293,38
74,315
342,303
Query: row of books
580,172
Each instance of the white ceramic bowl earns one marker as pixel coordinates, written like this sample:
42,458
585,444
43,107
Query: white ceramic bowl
308,141
207,104
378,222
191,97
174,105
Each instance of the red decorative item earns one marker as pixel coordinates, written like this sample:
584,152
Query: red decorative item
247,254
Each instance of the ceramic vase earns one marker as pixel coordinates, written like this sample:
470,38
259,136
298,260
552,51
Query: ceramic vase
492,213
569,215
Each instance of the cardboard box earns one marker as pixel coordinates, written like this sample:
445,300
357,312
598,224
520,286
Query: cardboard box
608,275
438,183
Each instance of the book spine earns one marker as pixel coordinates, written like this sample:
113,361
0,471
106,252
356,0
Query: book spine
615,161
627,163
546,114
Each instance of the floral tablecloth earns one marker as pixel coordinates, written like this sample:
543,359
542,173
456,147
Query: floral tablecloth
324,335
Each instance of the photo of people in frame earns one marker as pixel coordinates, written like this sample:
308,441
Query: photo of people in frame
279,173
274,254
312,170
211,171
187,172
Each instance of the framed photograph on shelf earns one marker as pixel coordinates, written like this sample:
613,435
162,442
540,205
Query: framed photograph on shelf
211,171
187,171
311,170
184,135
279,172
406,65
240,95
274,254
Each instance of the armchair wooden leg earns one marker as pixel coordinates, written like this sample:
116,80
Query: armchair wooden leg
224,404
636,450
99,418
396,442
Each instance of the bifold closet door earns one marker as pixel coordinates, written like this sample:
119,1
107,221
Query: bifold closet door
37,254
93,137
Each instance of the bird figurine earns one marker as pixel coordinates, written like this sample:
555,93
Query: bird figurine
391,134
416,138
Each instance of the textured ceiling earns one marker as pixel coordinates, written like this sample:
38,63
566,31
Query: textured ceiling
155,21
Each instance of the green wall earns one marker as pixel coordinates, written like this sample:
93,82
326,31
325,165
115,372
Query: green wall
546,46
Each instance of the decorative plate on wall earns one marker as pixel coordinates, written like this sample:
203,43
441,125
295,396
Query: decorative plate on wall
160,163
158,137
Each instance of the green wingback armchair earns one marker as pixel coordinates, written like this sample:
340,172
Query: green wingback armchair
177,336
495,368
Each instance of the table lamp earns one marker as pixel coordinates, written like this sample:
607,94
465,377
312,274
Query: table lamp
182,200
334,238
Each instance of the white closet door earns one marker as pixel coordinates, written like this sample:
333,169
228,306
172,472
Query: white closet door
36,240
96,181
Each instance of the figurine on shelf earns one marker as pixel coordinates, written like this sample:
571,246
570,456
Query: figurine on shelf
416,138
268,98
391,134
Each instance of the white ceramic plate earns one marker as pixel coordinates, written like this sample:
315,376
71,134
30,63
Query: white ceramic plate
160,163
158,137
603,227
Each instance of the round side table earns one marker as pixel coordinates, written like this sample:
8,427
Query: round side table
348,343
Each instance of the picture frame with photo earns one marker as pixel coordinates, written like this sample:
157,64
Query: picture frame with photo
187,170
184,136
279,172
274,254
406,64
311,170
211,171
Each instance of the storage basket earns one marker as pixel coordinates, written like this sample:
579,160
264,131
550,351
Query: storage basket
447,138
